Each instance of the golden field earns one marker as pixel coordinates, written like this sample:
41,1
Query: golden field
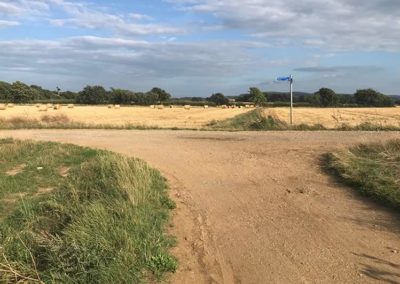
196,117
335,117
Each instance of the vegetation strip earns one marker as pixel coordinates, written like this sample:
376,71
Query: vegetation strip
257,120
373,169
76,215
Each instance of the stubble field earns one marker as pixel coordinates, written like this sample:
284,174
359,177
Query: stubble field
335,117
177,117
199,117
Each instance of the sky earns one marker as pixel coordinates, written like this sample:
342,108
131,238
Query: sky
200,47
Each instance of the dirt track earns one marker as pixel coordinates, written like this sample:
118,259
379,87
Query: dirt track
256,208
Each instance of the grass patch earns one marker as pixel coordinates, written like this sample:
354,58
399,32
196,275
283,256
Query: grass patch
373,169
102,222
256,120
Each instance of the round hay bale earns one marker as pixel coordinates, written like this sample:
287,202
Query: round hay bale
3,106
10,105
71,106
43,108
187,107
57,107
152,106
37,105
160,107
224,106
117,107
247,106
110,106
171,106
205,106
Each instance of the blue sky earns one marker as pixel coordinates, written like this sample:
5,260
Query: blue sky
198,47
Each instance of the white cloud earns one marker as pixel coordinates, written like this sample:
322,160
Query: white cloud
8,23
118,61
336,24
94,17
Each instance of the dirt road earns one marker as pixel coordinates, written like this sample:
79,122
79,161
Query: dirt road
256,207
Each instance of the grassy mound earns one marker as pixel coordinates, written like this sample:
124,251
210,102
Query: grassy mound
256,120
374,169
77,215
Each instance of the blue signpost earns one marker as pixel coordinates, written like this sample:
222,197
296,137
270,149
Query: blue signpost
290,80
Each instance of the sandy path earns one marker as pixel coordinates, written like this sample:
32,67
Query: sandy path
256,208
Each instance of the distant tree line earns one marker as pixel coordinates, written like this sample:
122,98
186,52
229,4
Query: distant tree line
325,97
19,92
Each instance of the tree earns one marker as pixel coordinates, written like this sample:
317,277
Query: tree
326,97
5,90
119,96
161,94
257,96
68,95
370,97
21,93
92,95
218,99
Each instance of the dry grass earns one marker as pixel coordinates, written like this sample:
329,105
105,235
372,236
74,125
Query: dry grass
336,117
177,117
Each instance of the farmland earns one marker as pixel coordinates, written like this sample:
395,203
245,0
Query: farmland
335,117
200,118
196,117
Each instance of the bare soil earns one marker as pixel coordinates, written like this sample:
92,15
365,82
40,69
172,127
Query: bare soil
257,208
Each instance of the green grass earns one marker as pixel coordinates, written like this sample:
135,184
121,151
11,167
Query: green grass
104,222
373,169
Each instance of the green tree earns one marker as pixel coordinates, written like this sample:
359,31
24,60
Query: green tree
218,99
160,94
21,93
93,95
370,97
120,96
5,90
326,97
257,96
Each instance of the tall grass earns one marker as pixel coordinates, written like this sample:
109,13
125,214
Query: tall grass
373,169
256,120
103,223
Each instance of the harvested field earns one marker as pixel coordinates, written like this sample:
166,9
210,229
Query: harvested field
179,117
336,117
